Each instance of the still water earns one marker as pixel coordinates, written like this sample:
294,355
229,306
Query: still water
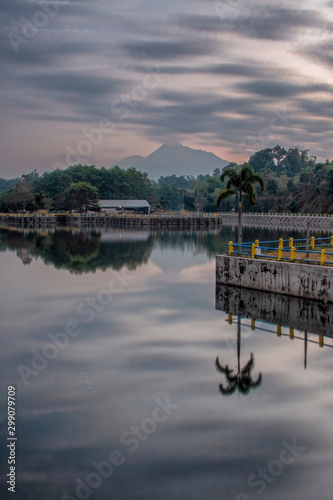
135,378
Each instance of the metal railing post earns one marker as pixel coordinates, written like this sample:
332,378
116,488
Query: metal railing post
313,242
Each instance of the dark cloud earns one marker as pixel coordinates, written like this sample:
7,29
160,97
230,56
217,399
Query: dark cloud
322,108
49,52
212,83
241,68
16,9
321,52
198,115
167,50
192,103
68,95
271,88
265,23
73,82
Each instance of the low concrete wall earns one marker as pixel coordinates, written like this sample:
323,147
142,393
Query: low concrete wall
302,314
299,280
280,220
148,222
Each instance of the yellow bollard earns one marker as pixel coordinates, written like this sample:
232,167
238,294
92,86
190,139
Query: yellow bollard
291,333
322,257
257,242
292,254
253,324
332,241
280,253
253,252
312,240
231,247
278,330
281,242
291,242
230,319
321,340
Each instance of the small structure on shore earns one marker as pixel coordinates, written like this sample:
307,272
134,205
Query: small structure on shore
121,206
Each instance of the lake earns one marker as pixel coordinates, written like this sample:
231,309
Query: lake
134,378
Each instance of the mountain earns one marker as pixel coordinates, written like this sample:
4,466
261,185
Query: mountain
131,161
174,158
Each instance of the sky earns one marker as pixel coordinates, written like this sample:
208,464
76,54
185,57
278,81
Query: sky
94,81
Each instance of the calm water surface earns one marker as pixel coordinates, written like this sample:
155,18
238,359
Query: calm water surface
111,338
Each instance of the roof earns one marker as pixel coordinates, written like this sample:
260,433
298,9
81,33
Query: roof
125,236
124,203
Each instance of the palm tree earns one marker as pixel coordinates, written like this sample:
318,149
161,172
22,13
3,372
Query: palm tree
241,180
242,379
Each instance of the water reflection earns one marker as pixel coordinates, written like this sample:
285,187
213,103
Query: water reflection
242,378
312,320
157,339
81,250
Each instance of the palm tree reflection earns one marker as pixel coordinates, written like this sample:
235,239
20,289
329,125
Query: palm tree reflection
241,379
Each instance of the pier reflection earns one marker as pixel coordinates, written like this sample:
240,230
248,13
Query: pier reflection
302,318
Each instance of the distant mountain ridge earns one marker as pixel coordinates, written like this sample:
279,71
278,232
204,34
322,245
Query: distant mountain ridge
174,158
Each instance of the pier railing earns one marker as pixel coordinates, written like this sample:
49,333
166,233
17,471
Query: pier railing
310,251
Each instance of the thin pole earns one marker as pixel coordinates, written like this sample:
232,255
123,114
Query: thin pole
305,350
307,237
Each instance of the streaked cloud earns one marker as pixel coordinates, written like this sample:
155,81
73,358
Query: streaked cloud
216,72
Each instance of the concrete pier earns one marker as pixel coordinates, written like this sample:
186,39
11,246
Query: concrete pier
298,280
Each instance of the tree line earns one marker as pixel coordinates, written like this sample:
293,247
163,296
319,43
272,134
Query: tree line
294,182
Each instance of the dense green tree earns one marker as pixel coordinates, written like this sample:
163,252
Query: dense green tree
7,184
272,186
294,161
80,196
170,197
263,160
292,186
21,197
279,153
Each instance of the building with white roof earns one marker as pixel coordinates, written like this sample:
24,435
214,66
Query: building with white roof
120,206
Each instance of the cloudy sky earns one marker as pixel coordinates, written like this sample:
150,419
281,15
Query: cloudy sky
97,80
